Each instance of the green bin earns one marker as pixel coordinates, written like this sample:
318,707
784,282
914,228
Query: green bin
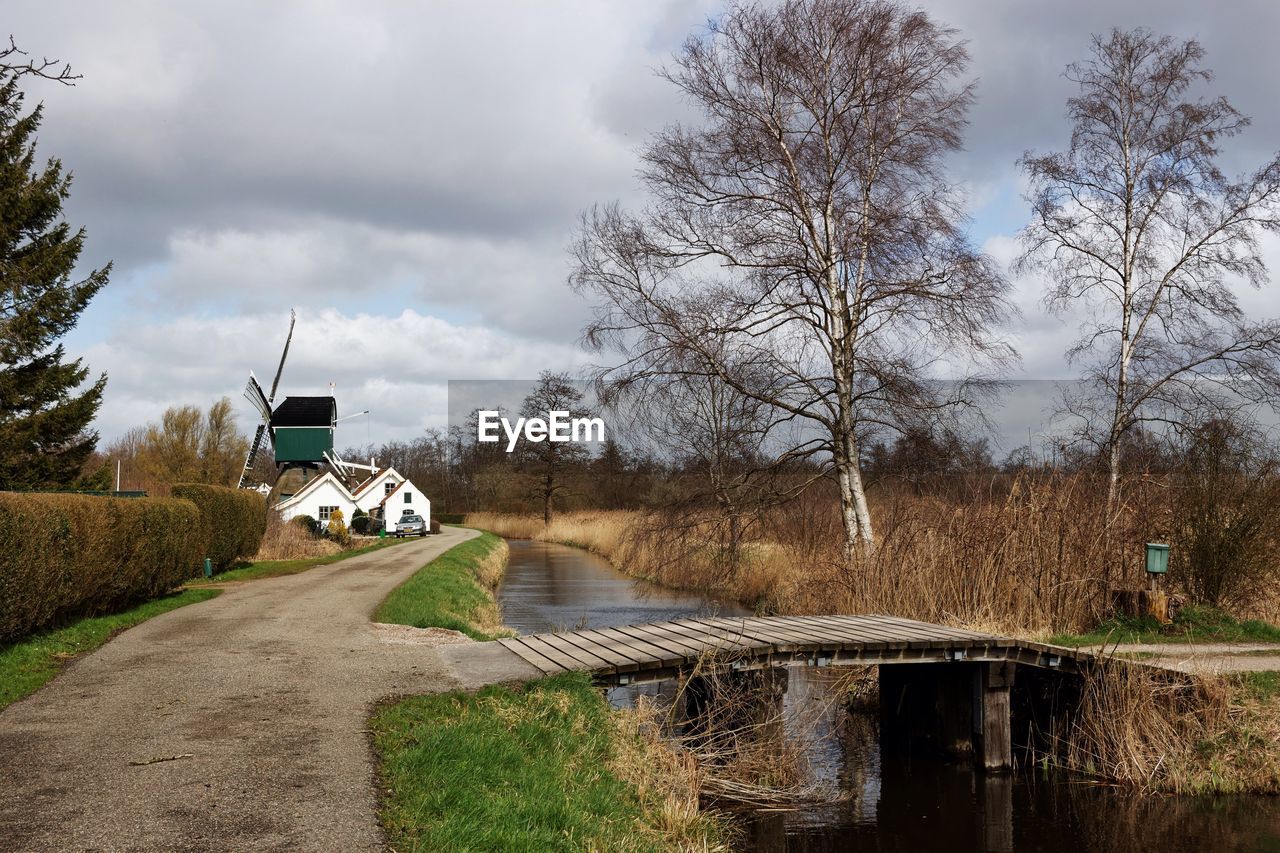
1157,558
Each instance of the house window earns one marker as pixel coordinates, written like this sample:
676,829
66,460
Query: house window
408,497
326,511
388,487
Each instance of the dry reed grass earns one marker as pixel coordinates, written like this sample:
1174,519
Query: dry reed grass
1036,560
670,780
1158,731
288,541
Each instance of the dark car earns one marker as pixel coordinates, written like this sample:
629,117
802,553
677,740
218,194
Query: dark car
411,525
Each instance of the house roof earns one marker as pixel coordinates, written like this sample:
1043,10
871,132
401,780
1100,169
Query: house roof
305,412
363,487
312,485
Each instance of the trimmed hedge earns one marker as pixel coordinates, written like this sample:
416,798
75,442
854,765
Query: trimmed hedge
449,517
234,520
65,556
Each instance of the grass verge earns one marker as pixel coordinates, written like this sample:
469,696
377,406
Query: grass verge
546,767
1193,624
454,591
27,665
275,568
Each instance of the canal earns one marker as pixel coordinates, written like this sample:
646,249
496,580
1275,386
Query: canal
887,803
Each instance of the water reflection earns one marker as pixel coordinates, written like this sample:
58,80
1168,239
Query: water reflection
891,803
549,587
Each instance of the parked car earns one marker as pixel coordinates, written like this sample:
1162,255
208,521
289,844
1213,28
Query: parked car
411,525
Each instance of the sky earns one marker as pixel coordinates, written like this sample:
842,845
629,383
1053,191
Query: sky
408,176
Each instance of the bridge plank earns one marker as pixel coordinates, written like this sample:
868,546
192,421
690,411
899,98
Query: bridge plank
673,642
545,664
930,630
830,635
612,657
538,642
779,639
863,635
820,629
651,652
614,645
708,640
815,634
923,634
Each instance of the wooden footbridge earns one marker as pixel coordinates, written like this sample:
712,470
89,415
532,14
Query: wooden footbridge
955,693
659,650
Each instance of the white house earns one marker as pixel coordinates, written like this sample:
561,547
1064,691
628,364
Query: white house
387,495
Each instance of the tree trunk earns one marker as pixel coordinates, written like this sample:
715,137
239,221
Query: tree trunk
854,510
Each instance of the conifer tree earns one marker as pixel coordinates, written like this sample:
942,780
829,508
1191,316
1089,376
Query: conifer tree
45,405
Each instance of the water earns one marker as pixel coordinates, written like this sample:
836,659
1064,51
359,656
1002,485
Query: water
891,803
551,587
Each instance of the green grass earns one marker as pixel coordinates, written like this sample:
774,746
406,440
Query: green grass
506,770
1263,686
1193,624
275,568
445,592
25,666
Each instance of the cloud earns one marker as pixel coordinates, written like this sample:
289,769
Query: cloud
389,160
396,365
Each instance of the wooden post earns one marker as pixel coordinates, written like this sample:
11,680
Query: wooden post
997,736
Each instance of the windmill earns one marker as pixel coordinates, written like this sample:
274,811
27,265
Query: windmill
262,402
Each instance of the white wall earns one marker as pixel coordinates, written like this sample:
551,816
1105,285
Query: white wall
328,493
418,504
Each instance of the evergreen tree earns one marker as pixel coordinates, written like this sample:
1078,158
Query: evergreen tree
45,408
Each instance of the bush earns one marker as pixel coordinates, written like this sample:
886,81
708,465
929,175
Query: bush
234,520
450,517
308,523
360,522
435,526
337,529
64,556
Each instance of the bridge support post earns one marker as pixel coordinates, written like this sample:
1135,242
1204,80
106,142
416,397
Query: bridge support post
997,735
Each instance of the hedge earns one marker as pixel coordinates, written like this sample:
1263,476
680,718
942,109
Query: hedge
450,517
64,556
234,520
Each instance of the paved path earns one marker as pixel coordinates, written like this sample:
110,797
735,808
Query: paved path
268,687
1205,658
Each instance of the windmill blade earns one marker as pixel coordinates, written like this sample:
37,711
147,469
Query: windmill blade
253,393
253,454
275,383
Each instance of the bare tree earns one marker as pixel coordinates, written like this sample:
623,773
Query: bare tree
15,62
805,229
549,462
705,425
1136,222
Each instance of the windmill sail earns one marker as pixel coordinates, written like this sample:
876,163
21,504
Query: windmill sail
262,402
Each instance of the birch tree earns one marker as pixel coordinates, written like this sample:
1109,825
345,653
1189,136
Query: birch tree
1136,224
804,228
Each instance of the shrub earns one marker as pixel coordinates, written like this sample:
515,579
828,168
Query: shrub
435,526
337,528
360,522
64,556
451,517
308,523
234,520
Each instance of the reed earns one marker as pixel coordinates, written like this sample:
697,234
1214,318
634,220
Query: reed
1037,559
1160,731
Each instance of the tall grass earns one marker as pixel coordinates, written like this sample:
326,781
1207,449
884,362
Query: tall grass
1035,559
1160,731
